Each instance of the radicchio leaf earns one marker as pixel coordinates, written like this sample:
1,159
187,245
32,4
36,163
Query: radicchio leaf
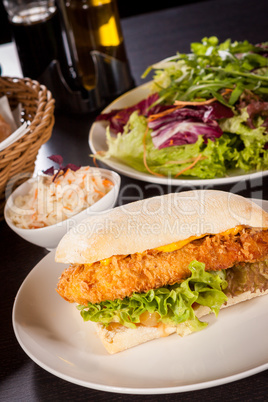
50,171
71,166
62,169
118,118
185,132
217,111
257,108
183,126
57,159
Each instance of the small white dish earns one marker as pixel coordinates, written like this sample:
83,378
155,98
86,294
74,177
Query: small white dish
50,236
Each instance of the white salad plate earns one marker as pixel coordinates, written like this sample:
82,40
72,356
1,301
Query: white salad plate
52,333
97,143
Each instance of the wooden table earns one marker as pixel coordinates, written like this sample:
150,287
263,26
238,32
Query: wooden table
149,38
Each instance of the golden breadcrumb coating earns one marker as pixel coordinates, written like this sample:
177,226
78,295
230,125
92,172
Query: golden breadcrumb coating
123,275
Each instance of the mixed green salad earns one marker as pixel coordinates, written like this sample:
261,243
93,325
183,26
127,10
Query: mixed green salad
206,114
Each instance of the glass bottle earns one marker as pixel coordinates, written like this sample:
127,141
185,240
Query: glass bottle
96,33
37,32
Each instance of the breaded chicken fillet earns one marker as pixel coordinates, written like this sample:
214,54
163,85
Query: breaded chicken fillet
121,276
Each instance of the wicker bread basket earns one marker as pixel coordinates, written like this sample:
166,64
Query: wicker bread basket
38,111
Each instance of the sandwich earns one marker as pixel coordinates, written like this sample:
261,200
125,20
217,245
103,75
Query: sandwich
155,267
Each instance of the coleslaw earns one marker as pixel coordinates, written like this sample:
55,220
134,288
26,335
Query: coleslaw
52,199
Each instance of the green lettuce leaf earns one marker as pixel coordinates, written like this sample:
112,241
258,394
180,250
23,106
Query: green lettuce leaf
174,304
252,154
239,147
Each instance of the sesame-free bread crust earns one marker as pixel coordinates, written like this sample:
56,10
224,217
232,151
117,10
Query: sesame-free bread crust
155,222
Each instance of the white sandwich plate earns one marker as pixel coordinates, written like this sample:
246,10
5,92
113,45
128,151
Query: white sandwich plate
54,336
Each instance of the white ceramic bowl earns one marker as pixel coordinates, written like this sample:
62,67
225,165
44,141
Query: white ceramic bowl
50,236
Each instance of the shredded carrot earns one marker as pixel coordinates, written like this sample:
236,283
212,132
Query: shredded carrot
99,192
156,116
180,104
198,103
191,166
144,155
95,161
94,158
34,216
194,103
35,193
70,209
227,91
107,183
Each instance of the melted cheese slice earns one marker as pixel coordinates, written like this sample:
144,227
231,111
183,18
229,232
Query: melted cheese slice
168,248
179,244
106,261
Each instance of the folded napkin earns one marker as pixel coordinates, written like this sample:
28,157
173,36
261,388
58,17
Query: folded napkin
13,119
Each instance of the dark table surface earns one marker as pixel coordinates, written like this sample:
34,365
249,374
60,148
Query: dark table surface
149,38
